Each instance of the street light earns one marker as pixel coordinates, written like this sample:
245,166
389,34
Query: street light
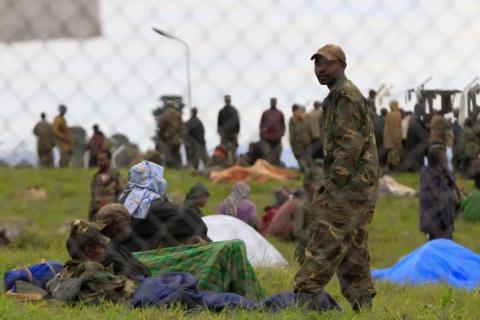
187,56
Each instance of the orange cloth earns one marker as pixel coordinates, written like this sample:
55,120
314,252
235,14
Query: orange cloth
260,172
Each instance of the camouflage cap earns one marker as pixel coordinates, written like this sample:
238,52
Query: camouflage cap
83,231
331,52
110,214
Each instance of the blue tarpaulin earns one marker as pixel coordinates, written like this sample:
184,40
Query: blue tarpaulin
437,261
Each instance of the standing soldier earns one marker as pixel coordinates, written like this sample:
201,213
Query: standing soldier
45,142
107,184
63,137
272,129
170,134
343,205
301,138
195,140
228,127
392,136
95,145
316,118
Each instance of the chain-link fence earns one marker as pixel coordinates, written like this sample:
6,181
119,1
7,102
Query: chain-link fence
102,59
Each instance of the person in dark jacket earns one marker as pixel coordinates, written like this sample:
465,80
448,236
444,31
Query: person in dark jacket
195,141
228,127
439,196
417,142
156,221
95,145
272,129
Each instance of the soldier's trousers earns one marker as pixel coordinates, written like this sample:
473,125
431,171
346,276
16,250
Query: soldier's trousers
65,156
195,153
45,158
171,151
271,150
337,243
230,143
304,158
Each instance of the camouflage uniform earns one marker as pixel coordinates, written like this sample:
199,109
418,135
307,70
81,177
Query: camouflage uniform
301,140
45,143
343,205
105,189
170,136
441,131
88,281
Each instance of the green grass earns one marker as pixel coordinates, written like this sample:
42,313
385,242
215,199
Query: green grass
394,233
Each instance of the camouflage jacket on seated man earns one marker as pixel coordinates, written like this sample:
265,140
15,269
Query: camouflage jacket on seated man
90,282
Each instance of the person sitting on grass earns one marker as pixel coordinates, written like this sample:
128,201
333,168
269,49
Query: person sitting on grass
106,186
439,195
470,207
238,205
156,221
197,198
86,277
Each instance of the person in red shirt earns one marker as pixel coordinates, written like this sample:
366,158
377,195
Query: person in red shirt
272,129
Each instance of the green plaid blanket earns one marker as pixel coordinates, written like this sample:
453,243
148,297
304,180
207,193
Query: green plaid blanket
218,266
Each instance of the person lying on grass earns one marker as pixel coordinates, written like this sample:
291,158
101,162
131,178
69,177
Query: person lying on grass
88,279
220,266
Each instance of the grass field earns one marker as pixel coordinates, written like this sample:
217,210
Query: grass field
394,233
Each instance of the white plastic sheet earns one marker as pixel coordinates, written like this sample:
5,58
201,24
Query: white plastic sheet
260,252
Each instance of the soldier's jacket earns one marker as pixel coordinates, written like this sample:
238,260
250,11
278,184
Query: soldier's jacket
350,152
45,138
441,131
90,282
106,188
299,130
170,126
316,118
469,144
62,134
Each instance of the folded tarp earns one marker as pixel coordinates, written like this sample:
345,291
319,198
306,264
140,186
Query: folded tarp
437,261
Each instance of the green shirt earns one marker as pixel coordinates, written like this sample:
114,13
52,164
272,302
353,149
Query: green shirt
470,207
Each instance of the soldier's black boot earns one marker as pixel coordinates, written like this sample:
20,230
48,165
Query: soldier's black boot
361,303
319,302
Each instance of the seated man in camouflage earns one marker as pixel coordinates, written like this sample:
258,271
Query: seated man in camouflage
87,277
219,266
106,186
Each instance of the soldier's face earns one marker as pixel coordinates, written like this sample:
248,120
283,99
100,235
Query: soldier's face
103,161
95,253
327,71
227,100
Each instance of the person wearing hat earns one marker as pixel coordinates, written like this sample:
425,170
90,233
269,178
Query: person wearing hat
87,277
343,205
197,198
439,195
113,221
63,137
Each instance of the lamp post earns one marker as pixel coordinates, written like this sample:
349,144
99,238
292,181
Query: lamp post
187,56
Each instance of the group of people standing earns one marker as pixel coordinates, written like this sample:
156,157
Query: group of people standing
58,134
51,135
